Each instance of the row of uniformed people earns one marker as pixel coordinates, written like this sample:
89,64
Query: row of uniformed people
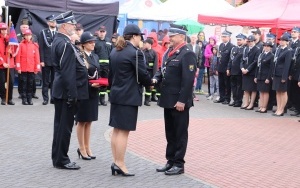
254,67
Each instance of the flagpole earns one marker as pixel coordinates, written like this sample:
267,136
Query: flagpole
8,62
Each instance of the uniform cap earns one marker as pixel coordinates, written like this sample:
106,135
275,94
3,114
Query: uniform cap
285,37
115,35
27,32
271,36
256,31
177,29
149,41
132,29
241,36
226,33
50,18
268,43
102,28
79,26
87,37
67,17
3,25
297,29
251,38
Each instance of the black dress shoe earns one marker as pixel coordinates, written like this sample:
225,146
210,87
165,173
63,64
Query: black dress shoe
237,105
3,102
70,166
231,104
165,168
10,102
218,101
82,157
295,114
51,101
225,102
45,102
174,171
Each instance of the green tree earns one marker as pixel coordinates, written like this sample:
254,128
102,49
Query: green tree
163,1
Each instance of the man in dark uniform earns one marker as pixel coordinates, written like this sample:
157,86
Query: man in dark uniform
151,62
258,42
45,39
224,80
293,95
69,86
234,71
26,22
103,48
177,78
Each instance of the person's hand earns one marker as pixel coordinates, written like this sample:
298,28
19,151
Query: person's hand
299,84
282,81
42,64
5,65
71,102
255,80
179,106
35,72
267,81
96,85
19,71
217,73
290,77
154,81
228,72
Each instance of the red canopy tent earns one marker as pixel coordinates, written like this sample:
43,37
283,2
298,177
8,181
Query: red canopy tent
258,13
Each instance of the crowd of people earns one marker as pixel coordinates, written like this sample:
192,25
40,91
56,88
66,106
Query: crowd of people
167,67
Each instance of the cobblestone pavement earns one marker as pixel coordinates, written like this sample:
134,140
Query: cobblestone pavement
228,147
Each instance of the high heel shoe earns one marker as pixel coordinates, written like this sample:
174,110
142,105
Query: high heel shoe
243,107
83,157
278,115
92,156
115,169
249,108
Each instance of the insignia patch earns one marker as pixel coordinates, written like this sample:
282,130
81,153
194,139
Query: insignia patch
191,67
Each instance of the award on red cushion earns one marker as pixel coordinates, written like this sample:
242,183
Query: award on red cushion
100,81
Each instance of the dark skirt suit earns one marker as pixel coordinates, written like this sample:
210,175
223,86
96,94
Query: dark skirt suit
264,71
249,62
281,69
127,76
88,108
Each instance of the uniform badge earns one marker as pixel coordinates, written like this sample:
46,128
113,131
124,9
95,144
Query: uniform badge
191,67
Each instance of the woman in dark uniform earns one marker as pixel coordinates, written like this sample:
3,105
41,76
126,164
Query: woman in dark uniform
248,67
127,76
88,109
282,62
263,76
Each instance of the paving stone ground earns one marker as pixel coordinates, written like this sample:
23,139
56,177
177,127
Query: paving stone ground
228,147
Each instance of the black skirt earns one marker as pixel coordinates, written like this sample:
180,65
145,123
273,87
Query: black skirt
262,86
123,117
248,83
278,85
87,110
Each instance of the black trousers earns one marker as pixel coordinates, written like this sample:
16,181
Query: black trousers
3,80
208,80
47,79
63,124
176,129
295,94
104,74
224,86
28,80
20,86
236,88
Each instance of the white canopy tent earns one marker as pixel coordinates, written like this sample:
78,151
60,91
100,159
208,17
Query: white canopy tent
174,10
131,6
